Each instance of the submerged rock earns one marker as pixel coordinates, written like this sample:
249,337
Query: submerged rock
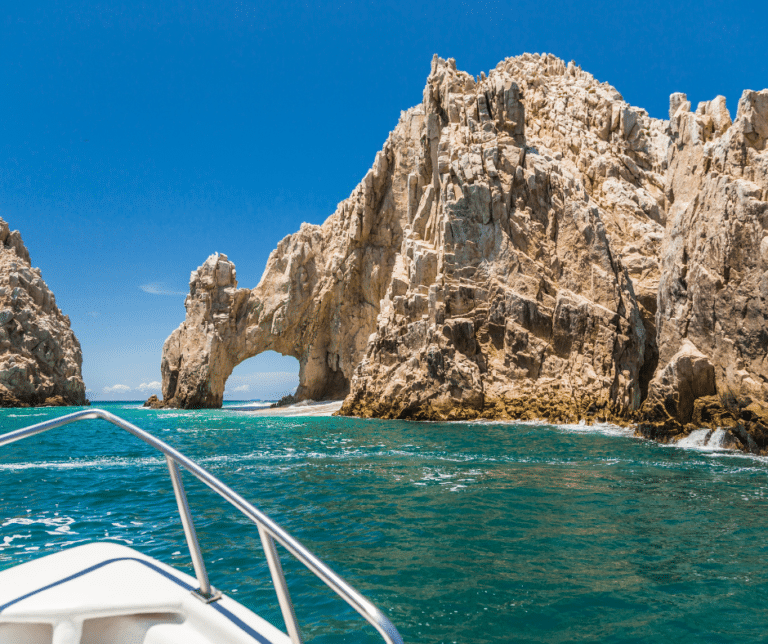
153,402
526,244
285,401
40,357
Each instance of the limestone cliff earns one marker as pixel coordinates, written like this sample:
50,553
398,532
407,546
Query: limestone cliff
40,357
526,244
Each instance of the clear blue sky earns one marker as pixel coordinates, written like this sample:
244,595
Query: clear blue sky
138,138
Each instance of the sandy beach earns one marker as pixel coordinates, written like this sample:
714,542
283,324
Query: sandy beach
305,408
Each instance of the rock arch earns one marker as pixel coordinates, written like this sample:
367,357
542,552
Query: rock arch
526,244
297,310
317,301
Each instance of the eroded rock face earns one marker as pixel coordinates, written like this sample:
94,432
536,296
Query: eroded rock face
315,302
714,289
526,244
714,285
688,375
537,182
40,357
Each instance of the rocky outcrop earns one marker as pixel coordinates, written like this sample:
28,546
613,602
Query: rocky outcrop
304,306
153,402
713,290
40,357
688,376
526,244
543,180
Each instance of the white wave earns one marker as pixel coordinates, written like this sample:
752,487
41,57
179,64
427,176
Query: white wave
304,408
253,406
724,455
61,524
437,477
605,429
8,540
254,457
706,440
98,463
450,481
58,526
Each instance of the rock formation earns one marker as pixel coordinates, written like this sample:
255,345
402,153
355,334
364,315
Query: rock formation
713,292
40,357
526,244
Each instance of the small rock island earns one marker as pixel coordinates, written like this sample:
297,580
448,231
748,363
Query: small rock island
40,357
526,245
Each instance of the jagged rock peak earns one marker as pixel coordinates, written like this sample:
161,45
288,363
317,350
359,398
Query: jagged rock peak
40,357
511,213
526,244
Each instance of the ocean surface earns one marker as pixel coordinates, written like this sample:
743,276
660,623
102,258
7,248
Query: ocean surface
469,533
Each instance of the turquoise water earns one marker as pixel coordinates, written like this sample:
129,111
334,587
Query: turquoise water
467,533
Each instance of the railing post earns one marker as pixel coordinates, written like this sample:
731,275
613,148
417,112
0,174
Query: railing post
206,591
278,579
269,531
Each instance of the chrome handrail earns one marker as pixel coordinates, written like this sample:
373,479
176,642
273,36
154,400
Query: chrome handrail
269,531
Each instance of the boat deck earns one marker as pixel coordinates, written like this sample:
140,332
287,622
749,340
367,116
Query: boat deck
106,592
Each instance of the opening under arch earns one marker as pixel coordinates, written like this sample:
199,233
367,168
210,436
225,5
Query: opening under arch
266,376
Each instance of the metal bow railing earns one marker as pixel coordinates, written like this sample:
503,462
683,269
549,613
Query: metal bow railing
269,531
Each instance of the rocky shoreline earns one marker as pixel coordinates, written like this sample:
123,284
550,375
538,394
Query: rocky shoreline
746,428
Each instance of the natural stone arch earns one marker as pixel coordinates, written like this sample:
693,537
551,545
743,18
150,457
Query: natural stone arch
319,297
526,245
317,301
226,326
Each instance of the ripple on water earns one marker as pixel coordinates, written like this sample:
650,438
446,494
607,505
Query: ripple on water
466,532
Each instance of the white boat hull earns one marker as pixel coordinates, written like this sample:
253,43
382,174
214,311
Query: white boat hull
108,593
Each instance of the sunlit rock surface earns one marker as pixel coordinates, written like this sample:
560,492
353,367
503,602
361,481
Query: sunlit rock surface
526,245
40,357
